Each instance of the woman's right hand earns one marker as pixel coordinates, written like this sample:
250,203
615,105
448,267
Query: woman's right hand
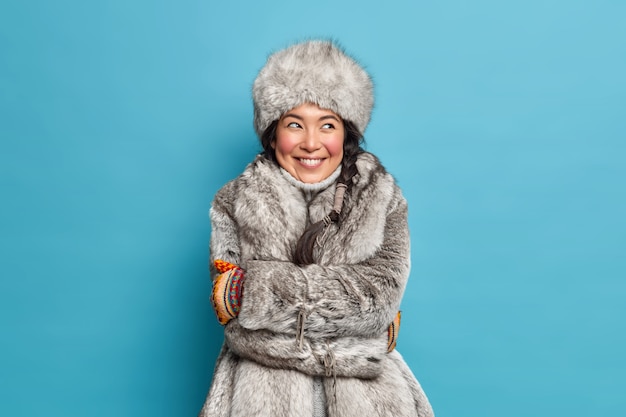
227,291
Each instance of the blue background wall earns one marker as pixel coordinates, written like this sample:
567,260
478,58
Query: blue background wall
503,122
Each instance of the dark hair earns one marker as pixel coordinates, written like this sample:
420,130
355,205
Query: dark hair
303,254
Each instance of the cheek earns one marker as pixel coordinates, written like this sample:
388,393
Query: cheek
283,144
335,146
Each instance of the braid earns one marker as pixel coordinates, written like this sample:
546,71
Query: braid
303,254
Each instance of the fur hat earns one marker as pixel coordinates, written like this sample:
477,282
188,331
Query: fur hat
316,72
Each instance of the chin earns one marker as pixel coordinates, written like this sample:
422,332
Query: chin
311,179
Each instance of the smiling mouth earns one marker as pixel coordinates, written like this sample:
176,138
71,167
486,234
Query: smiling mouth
310,162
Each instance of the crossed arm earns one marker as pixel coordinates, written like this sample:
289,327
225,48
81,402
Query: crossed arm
345,309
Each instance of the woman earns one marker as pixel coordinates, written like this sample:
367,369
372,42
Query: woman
310,247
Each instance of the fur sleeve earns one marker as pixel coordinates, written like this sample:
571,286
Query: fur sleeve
346,357
224,236
345,300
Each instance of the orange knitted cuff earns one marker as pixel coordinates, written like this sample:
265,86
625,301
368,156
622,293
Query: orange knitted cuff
227,291
392,333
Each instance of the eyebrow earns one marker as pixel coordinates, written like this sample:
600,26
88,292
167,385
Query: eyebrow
328,116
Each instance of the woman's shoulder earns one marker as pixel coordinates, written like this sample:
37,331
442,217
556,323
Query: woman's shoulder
375,183
372,171
258,172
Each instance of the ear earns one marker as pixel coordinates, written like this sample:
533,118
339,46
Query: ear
273,143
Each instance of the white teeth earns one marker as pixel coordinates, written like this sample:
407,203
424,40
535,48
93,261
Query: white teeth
310,162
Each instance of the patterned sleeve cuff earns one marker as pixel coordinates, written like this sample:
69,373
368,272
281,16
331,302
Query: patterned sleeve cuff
227,291
392,332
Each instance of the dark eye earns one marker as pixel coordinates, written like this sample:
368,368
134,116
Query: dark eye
328,126
293,124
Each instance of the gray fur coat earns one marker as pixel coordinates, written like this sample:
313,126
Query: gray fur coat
327,319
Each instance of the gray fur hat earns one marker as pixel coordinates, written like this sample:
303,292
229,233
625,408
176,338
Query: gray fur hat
316,72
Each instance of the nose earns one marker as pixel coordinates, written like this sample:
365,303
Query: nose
311,141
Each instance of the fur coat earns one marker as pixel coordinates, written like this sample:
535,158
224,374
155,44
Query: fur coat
327,319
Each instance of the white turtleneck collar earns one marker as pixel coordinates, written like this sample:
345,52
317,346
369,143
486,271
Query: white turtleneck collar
314,187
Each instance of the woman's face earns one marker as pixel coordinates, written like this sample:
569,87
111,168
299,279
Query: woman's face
309,142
